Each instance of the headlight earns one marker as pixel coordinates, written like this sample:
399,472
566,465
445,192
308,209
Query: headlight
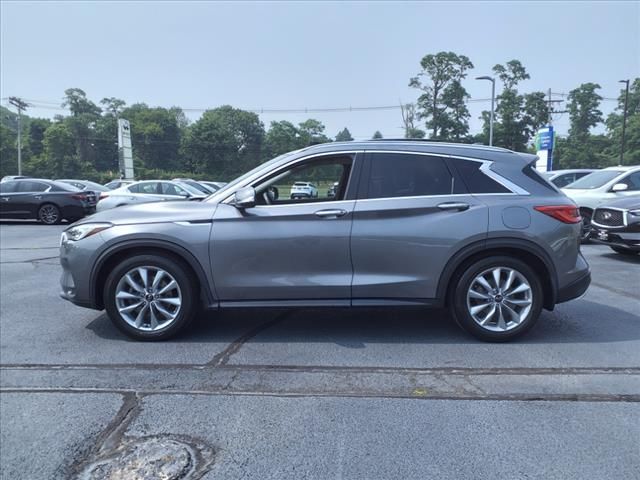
85,230
635,212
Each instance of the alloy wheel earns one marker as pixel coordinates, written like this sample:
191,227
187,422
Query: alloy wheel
148,298
499,299
49,214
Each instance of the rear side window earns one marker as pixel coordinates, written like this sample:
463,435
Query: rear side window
407,175
32,186
475,180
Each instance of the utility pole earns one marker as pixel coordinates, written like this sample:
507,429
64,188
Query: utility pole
624,120
20,105
550,101
493,103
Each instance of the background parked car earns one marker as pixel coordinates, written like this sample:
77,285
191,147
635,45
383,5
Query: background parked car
85,185
562,178
148,191
112,185
617,224
604,185
46,200
304,190
205,189
215,185
13,177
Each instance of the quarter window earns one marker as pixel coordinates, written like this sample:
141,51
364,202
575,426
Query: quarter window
632,182
475,180
407,175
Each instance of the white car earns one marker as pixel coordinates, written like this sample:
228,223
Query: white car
603,186
562,178
147,191
304,190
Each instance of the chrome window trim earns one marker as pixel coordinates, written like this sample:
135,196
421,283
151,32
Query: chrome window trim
260,176
304,204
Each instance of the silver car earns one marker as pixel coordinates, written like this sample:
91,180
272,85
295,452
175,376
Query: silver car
475,229
147,191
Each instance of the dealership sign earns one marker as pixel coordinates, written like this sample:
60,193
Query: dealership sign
543,142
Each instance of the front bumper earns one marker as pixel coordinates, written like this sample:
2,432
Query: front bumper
616,238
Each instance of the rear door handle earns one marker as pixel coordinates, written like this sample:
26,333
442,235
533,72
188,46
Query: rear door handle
38,197
331,213
459,206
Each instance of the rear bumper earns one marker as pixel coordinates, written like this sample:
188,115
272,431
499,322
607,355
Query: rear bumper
575,289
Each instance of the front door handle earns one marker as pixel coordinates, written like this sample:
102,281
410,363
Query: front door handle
459,206
331,213
5,199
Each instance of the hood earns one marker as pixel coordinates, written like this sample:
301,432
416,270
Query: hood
156,212
628,203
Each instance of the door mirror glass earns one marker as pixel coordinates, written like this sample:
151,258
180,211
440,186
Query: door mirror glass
619,187
245,197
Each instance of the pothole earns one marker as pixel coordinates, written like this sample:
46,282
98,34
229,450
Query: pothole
165,457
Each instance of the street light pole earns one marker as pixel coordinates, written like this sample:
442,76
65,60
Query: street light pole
624,120
493,101
20,105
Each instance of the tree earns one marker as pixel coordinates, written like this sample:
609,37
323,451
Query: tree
8,151
377,134
584,111
84,114
35,137
155,136
344,136
409,116
311,132
282,137
440,102
60,158
518,117
632,134
225,142
113,106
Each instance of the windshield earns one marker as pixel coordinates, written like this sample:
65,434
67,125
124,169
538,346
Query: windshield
192,190
595,179
548,174
229,186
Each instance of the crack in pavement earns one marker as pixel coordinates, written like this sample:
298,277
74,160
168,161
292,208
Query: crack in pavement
223,357
29,261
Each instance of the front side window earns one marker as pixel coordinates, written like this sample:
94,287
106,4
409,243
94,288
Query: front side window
323,179
407,175
632,182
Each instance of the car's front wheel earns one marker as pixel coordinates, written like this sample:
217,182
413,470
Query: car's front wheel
150,297
497,299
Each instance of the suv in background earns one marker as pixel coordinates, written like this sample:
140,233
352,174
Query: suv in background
604,185
304,190
617,224
475,229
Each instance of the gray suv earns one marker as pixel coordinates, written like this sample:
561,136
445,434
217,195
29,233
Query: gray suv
409,223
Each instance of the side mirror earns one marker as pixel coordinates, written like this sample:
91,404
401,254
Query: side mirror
619,187
245,198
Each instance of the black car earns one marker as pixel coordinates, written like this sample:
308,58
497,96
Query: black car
45,200
617,224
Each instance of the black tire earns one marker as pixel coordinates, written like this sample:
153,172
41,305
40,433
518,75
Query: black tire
624,251
462,283
178,270
49,214
586,225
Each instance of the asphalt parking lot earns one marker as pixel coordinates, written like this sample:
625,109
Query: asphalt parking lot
318,393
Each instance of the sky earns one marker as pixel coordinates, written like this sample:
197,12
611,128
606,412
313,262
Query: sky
305,55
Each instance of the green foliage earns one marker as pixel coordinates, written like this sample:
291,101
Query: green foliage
584,111
8,151
224,142
632,134
282,137
443,101
344,135
377,134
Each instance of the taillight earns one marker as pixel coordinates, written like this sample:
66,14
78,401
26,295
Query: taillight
79,196
103,195
563,213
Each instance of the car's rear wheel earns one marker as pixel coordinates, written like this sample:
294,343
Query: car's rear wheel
497,299
150,297
49,214
624,251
